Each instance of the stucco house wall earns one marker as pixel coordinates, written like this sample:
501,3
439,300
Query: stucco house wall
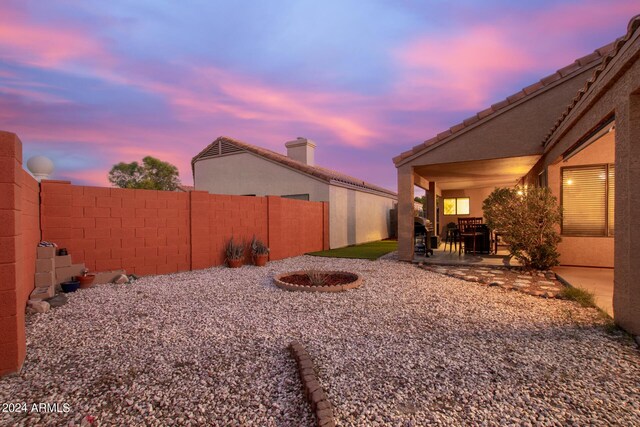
608,88
476,197
358,217
355,215
584,251
615,92
248,174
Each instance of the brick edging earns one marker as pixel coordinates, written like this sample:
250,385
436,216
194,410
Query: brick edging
336,288
313,390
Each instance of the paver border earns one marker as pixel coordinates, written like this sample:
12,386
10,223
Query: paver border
316,396
506,286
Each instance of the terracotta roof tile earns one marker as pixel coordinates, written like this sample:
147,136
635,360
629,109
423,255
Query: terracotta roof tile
565,71
486,112
185,188
530,90
471,120
443,135
317,171
516,97
588,58
431,141
396,159
499,105
456,128
418,147
605,50
550,78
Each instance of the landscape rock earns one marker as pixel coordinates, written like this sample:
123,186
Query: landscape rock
58,301
121,279
409,348
38,306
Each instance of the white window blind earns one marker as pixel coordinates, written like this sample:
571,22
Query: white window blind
587,200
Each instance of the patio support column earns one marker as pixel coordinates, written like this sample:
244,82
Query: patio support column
626,288
431,208
405,213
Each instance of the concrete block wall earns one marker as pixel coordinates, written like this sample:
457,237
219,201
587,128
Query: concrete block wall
157,232
296,227
216,218
141,231
19,235
288,227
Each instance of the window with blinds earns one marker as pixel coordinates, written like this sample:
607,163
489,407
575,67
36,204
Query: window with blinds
587,200
611,199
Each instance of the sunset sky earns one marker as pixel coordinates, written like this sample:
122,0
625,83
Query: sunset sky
90,83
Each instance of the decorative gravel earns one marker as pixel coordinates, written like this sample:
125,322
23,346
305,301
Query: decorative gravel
408,348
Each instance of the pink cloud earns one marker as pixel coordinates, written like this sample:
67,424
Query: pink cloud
32,94
459,73
578,18
89,176
437,75
211,91
464,72
47,47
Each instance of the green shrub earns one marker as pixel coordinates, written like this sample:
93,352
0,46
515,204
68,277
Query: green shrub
527,219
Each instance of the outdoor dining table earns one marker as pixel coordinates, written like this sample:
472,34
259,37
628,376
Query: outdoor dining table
476,238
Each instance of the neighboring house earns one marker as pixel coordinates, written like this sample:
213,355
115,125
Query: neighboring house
577,132
184,188
358,211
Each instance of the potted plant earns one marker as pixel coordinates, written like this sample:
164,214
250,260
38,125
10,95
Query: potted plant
235,254
86,280
259,252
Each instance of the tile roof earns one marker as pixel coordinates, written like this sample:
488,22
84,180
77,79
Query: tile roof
499,107
634,24
185,188
324,174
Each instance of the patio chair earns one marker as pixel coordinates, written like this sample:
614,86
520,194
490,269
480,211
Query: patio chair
451,236
468,230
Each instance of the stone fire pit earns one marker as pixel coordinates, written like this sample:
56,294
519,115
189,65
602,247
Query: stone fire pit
336,281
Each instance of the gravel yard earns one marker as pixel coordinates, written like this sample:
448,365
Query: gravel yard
408,348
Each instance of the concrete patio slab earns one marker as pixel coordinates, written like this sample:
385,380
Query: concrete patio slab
598,281
445,257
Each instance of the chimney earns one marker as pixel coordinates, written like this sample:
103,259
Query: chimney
302,150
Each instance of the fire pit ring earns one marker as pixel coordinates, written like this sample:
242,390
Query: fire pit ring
292,281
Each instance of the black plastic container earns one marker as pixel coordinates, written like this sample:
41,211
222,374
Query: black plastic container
70,286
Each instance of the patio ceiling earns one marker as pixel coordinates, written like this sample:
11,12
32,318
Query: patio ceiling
478,173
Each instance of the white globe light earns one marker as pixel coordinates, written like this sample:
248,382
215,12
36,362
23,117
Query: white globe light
40,166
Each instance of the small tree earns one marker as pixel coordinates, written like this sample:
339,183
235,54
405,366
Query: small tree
152,174
527,219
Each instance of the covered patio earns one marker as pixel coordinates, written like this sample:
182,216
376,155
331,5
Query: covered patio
575,132
496,147
464,186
